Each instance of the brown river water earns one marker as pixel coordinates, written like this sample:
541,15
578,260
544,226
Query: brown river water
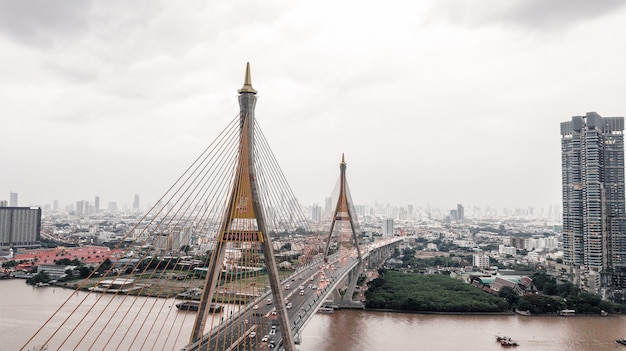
23,309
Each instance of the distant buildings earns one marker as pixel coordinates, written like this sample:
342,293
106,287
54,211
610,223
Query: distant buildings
136,202
316,213
507,250
13,200
112,206
481,260
594,237
387,228
19,227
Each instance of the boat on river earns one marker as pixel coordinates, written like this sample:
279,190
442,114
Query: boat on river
621,341
195,305
325,310
506,341
115,286
191,294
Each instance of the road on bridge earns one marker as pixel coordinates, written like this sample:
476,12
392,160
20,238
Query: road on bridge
256,327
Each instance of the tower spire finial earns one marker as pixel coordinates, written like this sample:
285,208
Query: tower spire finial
247,84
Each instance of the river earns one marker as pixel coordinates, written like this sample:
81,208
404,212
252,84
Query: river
23,309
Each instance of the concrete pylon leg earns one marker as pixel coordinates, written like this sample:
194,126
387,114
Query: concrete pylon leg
353,277
336,296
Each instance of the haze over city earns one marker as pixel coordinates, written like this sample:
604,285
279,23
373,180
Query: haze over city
432,102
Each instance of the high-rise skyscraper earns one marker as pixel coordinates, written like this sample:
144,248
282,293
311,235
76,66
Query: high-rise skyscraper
80,208
136,202
592,159
20,227
316,213
13,200
97,204
387,227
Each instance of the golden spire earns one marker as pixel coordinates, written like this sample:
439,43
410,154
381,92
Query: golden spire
247,84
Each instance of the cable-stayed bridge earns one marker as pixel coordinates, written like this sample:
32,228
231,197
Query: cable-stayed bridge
231,230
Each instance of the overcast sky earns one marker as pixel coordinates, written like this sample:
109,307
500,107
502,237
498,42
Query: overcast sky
432,102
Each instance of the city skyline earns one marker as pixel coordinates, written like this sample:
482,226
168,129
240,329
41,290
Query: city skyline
434,103
314,210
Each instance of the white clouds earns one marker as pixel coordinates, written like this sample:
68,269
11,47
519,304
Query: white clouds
439,103
43,23
533,15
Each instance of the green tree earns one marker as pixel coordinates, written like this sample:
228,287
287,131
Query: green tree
85,271
41,277
11,263
106,265
511,297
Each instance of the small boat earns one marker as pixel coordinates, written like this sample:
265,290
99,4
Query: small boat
191,294
621,341
195,305
508,343
603,313
115,286
325,310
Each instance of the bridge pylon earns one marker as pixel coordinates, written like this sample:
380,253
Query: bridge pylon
344,214
244,223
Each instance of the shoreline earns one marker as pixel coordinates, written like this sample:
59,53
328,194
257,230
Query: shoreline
505,313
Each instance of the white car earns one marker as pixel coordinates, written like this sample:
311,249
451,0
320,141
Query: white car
265,338
252,335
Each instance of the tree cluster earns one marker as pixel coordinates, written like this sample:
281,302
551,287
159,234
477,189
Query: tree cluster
552,297
433,293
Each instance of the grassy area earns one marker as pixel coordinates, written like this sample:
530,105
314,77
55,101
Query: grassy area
154,287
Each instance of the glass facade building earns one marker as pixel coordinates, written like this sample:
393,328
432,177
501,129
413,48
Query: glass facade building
20,227
592,156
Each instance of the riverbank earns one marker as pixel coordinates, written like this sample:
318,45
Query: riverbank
503,313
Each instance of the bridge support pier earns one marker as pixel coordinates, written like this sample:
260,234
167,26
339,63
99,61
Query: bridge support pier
353,277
